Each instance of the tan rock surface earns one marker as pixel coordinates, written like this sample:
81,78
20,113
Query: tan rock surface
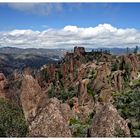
108,123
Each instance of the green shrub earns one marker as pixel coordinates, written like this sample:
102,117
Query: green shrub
119,133
45,75
115,66
128,105
66,95
79,129
59,75
127,73
12,121
90,90
51,93
62,94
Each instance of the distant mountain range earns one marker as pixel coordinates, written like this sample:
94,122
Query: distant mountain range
12,58
41,51
57,53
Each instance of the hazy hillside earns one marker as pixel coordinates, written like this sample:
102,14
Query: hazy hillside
16,58
47,52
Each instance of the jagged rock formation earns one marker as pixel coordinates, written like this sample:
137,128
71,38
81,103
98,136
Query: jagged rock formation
108,123
31,96
101,84
101,78
52,121
46,117
86,110
118,80
133,64
83,91
79,51
105,95
82,87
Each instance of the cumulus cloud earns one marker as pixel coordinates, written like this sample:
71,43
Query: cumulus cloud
37,8
103,35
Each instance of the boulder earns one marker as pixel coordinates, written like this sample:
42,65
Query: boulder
108,123
53,120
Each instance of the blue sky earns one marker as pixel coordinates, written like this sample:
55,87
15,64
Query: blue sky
67,24
83,15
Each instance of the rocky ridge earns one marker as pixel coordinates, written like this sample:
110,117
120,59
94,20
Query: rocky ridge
76,96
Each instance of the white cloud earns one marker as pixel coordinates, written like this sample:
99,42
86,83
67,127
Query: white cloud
103,35
37,8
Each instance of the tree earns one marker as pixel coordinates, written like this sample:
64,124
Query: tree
127,73
127,50
115,66
136,50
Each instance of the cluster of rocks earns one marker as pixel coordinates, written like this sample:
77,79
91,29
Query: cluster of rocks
50,117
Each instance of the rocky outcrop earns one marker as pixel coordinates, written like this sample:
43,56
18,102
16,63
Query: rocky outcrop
79,51
86,110
118,80
45,117
133,63
3,86
52,121
106,94
84,97
31,96
108,123
101,77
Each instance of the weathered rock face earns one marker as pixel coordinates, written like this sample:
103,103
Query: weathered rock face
45,117
108,123
133,63
52,121
31,96
117,80
106,94
86,110
101,77
3,86
84,97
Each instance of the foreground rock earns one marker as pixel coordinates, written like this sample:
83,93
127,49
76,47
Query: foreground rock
45,117
108,123
52,121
